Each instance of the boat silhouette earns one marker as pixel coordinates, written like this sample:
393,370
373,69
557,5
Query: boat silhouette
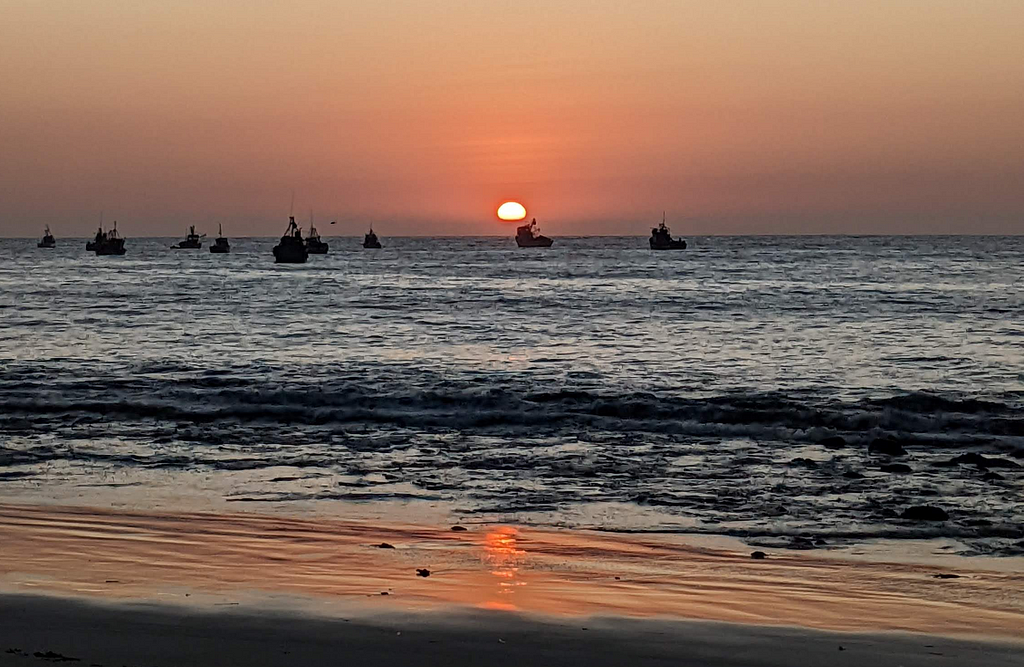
661,238
314,244
371,240
291,249
529,236
48,240
109,243
100,237
192,241
220,245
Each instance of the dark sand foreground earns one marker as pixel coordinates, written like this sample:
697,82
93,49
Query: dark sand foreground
39,630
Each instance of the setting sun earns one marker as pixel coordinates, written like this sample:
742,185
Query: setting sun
511,210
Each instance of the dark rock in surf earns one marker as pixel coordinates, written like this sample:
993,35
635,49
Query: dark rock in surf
945,576
54,657
758,555
422,572
925,513
833,442
899,468
385,545
886,447
458,529
804,463
979,460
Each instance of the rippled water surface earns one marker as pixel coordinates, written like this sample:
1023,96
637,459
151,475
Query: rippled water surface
734,387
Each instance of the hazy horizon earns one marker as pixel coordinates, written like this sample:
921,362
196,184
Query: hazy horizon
778,117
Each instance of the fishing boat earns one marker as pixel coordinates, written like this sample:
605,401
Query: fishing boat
220,245
192,240
101,237
48,240
661,238
529,236
291,249
371,240
314,244
111,242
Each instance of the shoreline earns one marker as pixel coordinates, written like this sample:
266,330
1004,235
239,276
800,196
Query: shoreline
334,566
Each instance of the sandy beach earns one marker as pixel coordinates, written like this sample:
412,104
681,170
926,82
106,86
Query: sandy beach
142,588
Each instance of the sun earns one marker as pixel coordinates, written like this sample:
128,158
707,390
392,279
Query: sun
511,210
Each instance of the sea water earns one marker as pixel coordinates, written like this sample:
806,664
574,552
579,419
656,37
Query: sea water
732,388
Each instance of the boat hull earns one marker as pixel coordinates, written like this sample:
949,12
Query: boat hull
110,251
285,255
42,244
535,242
372,244
317,248
220,249
671,245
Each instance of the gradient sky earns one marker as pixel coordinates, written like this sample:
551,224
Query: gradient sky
421,116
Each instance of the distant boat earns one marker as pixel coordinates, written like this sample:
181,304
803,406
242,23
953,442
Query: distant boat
291,249
48,240
220,245
529,236
111,242
192,241
101,237
661,239
371,240
314,244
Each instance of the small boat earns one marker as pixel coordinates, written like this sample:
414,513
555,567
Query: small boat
101,237
111,243
192,241
220,245
314,244
291,249
529,236
371,240
661,239
48,240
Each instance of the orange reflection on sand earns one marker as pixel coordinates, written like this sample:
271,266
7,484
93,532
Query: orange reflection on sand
504,557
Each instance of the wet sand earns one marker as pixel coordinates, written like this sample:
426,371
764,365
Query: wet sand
122,587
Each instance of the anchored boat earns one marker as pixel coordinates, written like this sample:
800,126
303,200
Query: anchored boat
661,238
48,240
111,242
371,240
529,236
314,244
291,249
100,237
220,245
192,241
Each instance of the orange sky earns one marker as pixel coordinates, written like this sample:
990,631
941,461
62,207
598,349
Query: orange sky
421,116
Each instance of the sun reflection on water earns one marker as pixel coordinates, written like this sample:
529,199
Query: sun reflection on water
504,557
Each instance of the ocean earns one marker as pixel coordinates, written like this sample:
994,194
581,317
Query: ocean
741,387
